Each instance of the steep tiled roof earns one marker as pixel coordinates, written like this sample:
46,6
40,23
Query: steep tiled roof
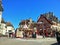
42,16
9,24
23,22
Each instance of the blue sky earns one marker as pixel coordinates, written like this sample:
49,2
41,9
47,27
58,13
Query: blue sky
17,10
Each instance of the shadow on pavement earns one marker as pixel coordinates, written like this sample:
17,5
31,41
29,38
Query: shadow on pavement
56,44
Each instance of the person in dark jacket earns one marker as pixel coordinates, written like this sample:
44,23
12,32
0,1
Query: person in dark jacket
34,35
58,37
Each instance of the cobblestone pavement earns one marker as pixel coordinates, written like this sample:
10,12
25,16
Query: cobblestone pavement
17,41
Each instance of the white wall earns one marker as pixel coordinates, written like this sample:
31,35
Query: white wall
3,26
4,32
0,20
0,16
10,28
